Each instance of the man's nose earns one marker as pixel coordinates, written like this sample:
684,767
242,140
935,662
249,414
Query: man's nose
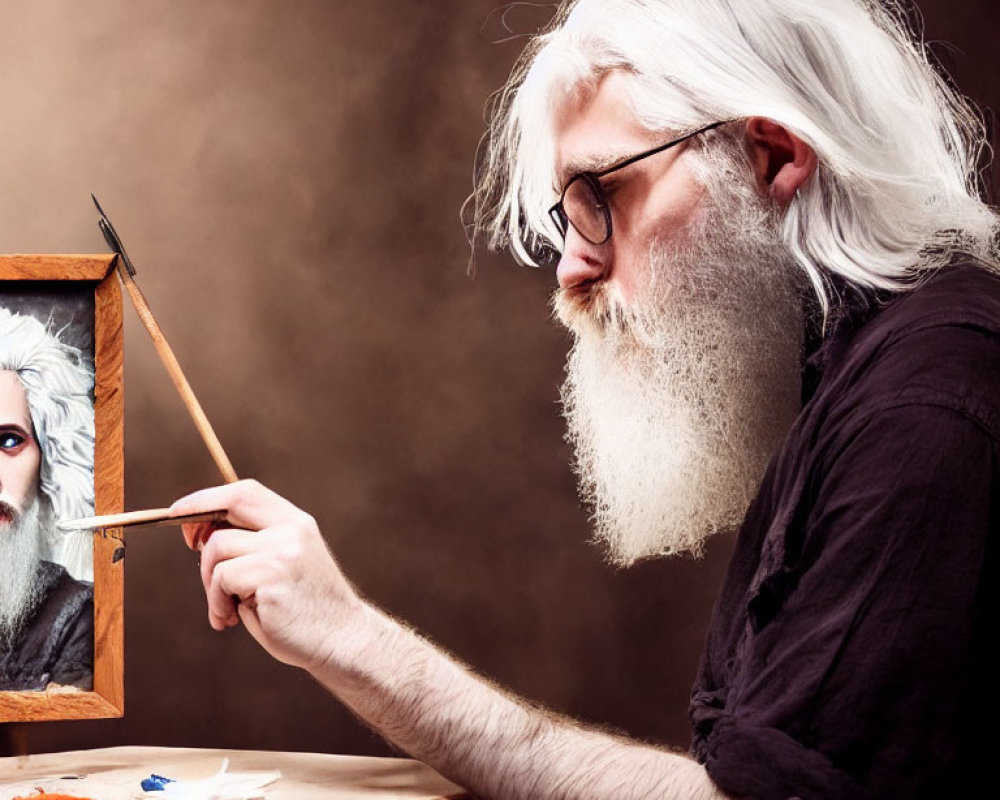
581,262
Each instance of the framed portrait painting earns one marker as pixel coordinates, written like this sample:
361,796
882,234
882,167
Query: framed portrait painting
61,458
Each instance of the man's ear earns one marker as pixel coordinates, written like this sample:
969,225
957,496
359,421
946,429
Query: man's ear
781,160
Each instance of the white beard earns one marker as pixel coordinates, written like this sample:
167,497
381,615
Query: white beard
675,406
20,555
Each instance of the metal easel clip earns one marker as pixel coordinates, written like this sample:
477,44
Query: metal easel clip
112,238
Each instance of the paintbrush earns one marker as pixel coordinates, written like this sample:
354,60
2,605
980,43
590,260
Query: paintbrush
132,519
154,516
126,271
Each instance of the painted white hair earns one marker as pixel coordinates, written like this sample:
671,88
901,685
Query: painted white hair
897,191
59,385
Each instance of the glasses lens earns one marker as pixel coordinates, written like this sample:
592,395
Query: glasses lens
586,210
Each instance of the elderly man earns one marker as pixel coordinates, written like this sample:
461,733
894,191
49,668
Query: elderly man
46,472
780,278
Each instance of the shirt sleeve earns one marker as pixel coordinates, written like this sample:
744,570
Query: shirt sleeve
858,661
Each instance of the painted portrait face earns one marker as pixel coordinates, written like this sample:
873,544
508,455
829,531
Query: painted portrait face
20,457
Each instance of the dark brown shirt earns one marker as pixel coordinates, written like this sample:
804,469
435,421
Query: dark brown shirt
58,644
850,653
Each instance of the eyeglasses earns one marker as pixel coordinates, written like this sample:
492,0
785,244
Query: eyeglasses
584,205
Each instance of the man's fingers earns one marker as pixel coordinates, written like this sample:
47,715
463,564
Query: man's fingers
267,566
197,533
234,565
249,505
225,544
231,582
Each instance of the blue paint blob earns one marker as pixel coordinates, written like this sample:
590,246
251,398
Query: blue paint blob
155,783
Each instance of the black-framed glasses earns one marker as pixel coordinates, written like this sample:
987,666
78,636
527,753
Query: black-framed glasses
583,203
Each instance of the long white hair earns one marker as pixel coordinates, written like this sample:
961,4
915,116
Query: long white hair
897,191
59,385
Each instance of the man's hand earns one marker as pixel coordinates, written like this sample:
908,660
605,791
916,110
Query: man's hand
273,571
292,597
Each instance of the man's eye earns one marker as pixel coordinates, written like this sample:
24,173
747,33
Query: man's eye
10,441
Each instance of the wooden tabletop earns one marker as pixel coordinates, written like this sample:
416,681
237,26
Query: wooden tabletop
114,773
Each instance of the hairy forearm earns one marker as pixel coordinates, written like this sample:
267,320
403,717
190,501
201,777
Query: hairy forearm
292,597
491,743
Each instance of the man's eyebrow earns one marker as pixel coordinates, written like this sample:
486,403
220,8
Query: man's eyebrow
593,163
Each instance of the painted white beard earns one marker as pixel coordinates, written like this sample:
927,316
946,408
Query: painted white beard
675,406
20,554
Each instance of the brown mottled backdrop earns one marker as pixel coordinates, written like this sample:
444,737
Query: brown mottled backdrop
287,177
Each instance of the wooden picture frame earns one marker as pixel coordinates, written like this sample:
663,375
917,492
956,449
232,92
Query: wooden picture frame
90,282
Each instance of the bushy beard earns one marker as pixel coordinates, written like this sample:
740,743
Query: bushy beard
20,555
676,402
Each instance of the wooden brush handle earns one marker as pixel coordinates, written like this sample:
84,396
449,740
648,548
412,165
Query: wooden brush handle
177,376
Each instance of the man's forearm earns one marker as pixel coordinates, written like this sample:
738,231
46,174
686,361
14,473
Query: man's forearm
434,709
294,600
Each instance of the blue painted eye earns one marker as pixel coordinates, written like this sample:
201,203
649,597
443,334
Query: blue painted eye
10,440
